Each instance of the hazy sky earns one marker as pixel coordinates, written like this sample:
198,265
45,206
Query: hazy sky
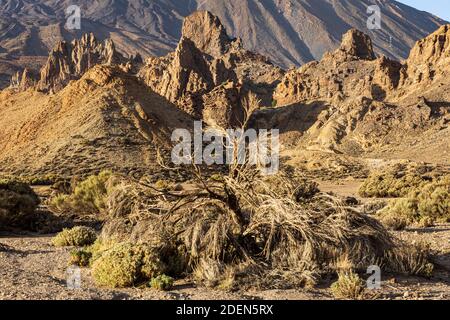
441,8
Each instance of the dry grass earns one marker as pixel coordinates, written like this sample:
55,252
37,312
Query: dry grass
349,286
246,229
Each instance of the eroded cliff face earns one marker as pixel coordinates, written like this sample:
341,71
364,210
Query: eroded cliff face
351,70
354,70
69,61
208,66
351,102
429,59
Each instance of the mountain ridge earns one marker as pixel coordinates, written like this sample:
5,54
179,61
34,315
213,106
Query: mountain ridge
113,115
289,32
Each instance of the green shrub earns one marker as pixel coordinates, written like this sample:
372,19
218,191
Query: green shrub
434,200
126,264
88,197
77,237
216,177
60,203
162,283
80,257
349,286
382,185
36,180
424,207
163,185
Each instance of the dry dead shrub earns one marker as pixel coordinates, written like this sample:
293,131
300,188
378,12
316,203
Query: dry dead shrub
240,229
216,229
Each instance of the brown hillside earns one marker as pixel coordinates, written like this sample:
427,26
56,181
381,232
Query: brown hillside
107,119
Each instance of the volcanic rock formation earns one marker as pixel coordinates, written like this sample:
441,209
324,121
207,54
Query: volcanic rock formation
352,69
69,61
113,114
209,66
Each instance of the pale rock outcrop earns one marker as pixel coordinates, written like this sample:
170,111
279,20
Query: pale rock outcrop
69,61
351,70
429,58
22,80
208,67
207,33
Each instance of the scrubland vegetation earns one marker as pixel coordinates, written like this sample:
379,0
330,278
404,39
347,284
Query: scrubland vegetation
78,236
240,230
87,197
421,197
235,230
348,286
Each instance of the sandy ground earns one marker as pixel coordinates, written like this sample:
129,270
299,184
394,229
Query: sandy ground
31,268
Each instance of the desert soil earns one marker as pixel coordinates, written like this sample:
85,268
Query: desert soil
31,268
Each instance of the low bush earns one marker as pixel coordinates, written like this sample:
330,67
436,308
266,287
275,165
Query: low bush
126,265
162,283
422,207
348,286
77,237
80,257
400,179
34,180
388,185
88,196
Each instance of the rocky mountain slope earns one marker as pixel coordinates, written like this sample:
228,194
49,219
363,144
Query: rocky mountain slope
354,103
114,112
107,119
289,32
